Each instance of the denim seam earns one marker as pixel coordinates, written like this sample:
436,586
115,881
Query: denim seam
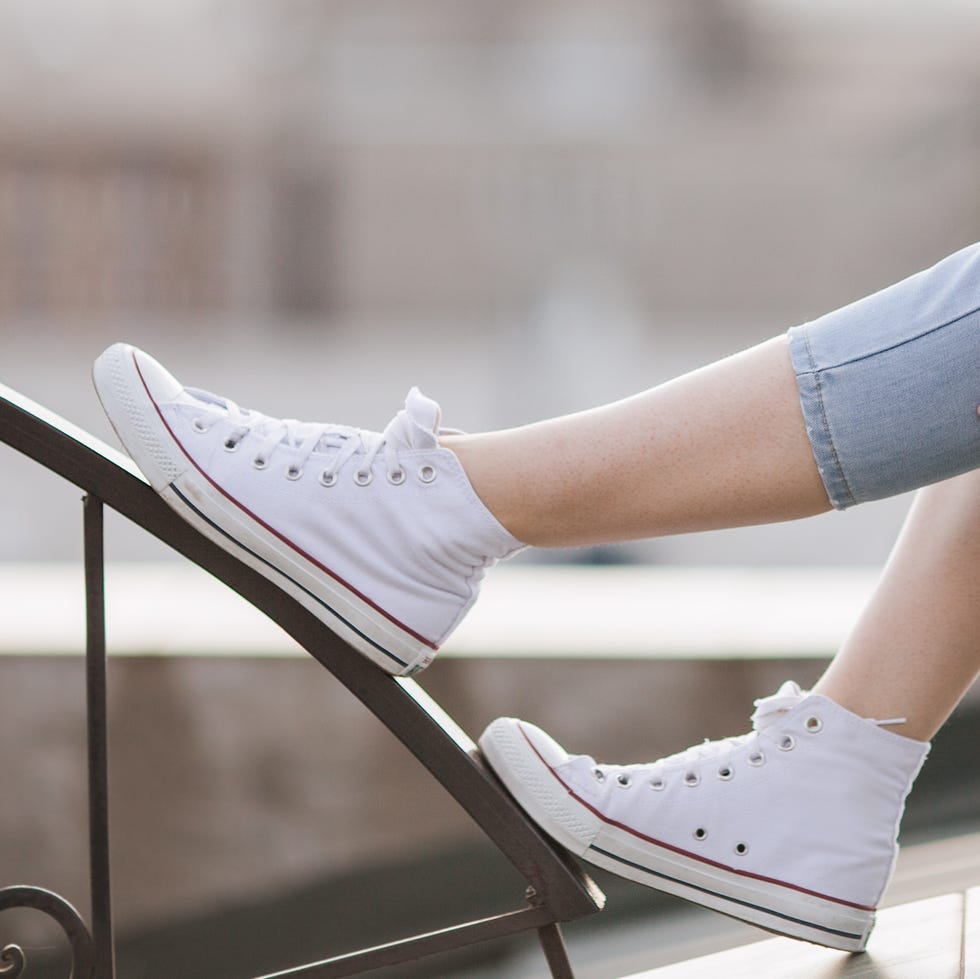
895,346
823,417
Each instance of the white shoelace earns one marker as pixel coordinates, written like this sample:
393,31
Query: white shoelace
301,439
767,712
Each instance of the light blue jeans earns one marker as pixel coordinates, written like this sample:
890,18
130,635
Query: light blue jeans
890,384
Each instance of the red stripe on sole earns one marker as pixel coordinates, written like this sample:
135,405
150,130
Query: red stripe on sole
686,853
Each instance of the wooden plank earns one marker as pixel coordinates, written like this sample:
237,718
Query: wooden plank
971,934
913,941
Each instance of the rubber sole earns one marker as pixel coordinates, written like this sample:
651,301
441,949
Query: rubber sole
215,513
773,906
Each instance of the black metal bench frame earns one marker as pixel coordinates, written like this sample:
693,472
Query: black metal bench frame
557,890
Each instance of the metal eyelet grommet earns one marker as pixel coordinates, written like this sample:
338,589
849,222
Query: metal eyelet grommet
658,784
293,472
327,479
260,463
813,724
726,774
396,477
692,779
427,474
598,774
363,477
741,849
231,444
624,781
700,833
787,742
757,758
199,426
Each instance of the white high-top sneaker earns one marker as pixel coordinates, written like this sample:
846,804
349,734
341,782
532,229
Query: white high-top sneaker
380,535
792,827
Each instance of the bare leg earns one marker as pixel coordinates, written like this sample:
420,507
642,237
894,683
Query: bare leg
723,446
727,446
916,648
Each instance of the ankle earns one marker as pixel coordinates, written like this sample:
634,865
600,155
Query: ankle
897,720
492,482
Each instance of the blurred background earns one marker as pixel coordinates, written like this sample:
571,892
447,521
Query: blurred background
525,208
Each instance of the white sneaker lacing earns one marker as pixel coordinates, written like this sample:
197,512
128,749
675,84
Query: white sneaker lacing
302,439
690,762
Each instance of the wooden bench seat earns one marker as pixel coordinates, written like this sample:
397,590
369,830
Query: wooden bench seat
936,938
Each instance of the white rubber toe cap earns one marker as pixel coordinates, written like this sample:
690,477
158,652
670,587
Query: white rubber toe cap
132,386
160,383
530,764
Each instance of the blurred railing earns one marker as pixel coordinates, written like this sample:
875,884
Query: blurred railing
556,889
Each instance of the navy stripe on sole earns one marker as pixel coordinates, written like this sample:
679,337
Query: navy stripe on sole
725,897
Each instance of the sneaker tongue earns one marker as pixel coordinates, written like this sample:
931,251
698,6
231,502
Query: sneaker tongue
417,427
769,709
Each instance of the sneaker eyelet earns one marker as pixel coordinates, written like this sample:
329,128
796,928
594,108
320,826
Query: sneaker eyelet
726,774
327,479
427,474
741,849
658,784
200,427
787,742
598,774
293,472
260,463
813,724
231,445
624,781
396,477
363,477
757,758
692,779
700,833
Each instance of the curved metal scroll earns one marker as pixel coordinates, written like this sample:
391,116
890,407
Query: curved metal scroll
12,959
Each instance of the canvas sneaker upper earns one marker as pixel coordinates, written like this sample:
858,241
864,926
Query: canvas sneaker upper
386,522
803,810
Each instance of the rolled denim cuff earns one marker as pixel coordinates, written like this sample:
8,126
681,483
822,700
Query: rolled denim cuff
890,385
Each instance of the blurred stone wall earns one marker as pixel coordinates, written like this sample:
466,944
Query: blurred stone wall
238,777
